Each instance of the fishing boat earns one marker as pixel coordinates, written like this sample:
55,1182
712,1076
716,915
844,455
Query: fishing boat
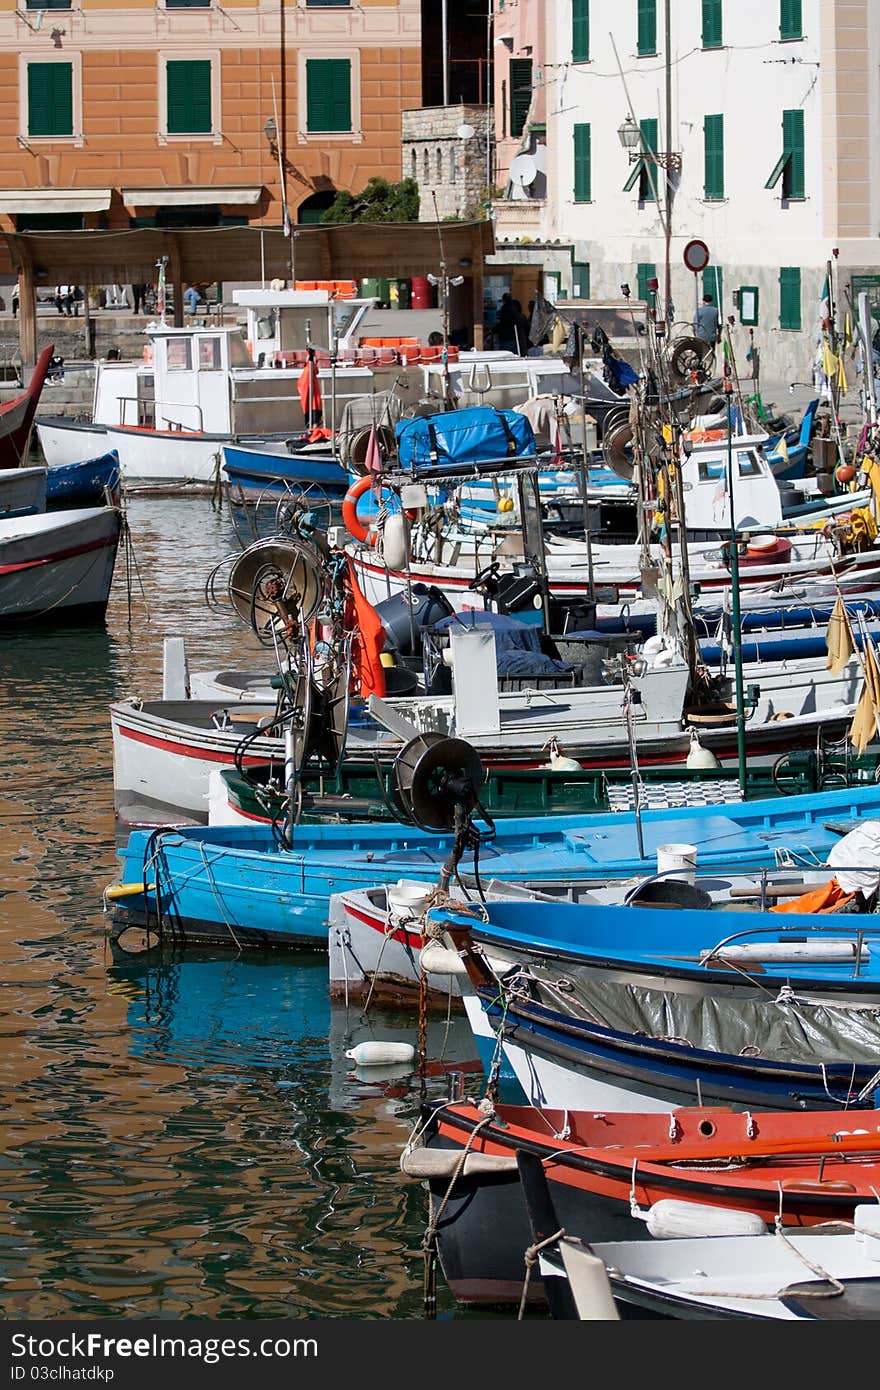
719,1265
613,1178
234,885
58,563
17,415
84,484
278,468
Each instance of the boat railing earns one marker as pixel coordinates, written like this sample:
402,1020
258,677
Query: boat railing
799,934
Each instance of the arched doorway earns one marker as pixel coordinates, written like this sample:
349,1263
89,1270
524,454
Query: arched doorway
313,209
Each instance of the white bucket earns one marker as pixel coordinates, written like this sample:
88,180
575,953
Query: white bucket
677,861
408,899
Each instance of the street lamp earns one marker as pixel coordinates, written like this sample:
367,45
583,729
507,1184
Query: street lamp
270,130
630,137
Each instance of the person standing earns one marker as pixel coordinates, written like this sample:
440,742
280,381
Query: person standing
707,321
137,297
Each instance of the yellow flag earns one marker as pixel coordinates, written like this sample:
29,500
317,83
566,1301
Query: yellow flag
781,449
864,725
839,638
829,361
847,332
841,377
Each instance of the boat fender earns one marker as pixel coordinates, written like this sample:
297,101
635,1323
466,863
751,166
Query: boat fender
669,1219
698,756
395,540
653,645
380,1054
355,527
435,959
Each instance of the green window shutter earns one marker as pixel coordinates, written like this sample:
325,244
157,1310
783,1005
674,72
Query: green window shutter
580,31
791,19
580,280
712,24
520,93
645,271
793,177
582,164
189,97
713,153
713,284
790,297
50,98
328,94
647,27
649,177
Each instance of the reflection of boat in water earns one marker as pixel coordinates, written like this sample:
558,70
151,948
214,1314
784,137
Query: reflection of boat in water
221,1013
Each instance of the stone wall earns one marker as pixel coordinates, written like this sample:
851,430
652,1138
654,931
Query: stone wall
444,163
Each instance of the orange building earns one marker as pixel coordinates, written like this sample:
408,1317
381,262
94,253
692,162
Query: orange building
177,113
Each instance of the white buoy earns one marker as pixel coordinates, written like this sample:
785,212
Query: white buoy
440,960
395,540
380,1054
698,756
669,1219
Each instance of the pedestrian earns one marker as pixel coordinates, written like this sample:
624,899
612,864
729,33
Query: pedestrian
64,299
504,324
15,299
138,293
520,329
707,321
191,298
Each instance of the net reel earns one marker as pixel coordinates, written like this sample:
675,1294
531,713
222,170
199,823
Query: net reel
436,783
276,586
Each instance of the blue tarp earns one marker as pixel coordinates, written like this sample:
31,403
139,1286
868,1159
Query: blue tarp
517,645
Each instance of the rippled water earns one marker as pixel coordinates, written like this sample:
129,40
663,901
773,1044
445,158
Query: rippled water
184,1137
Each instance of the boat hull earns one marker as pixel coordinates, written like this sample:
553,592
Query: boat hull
58,562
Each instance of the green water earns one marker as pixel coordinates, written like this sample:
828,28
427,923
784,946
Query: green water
183,1138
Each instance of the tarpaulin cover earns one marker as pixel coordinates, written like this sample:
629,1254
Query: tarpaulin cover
476,435
780,1032
517,645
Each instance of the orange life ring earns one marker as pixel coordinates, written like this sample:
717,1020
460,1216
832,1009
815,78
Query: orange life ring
355,527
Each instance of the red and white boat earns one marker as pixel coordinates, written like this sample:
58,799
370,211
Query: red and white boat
17,416
58,562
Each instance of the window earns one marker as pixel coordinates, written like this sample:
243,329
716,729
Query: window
647,21
453,164
177,354
48,5
337,4
712,24
413,164
790,298
790,166
520,93
644,172
580,31
580,280
645,271
209,355
187,4
583,176
50,98
791,19
713,284
713,155
189,97
328,94
747,464
439,162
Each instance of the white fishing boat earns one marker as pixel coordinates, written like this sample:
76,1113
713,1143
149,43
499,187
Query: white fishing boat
58,562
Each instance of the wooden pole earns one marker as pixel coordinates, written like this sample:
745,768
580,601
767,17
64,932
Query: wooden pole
27,314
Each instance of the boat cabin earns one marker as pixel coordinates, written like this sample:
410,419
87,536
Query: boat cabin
756,500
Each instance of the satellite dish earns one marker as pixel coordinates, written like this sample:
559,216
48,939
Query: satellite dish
539,155
433,776
465,131
523,170
517,192
275,582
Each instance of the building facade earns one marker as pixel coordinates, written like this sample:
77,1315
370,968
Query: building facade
771,153
196,113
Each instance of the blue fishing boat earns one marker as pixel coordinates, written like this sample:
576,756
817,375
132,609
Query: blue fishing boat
277,469
235,886
82,484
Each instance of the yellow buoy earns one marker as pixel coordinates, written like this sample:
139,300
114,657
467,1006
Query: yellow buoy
505,504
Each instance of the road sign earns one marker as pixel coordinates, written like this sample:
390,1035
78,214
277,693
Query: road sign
696,256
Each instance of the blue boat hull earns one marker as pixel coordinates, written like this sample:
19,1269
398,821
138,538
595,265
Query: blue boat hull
254,470
82,484
232,885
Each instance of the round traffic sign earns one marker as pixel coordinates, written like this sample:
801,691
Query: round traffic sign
696,256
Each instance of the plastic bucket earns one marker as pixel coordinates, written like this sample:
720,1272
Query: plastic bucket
677,861
408,898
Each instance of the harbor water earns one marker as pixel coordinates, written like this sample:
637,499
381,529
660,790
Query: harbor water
184,1136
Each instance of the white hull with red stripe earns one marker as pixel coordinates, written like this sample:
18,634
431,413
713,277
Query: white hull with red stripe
57,561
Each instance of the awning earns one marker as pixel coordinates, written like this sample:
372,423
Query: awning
54,199
189,196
